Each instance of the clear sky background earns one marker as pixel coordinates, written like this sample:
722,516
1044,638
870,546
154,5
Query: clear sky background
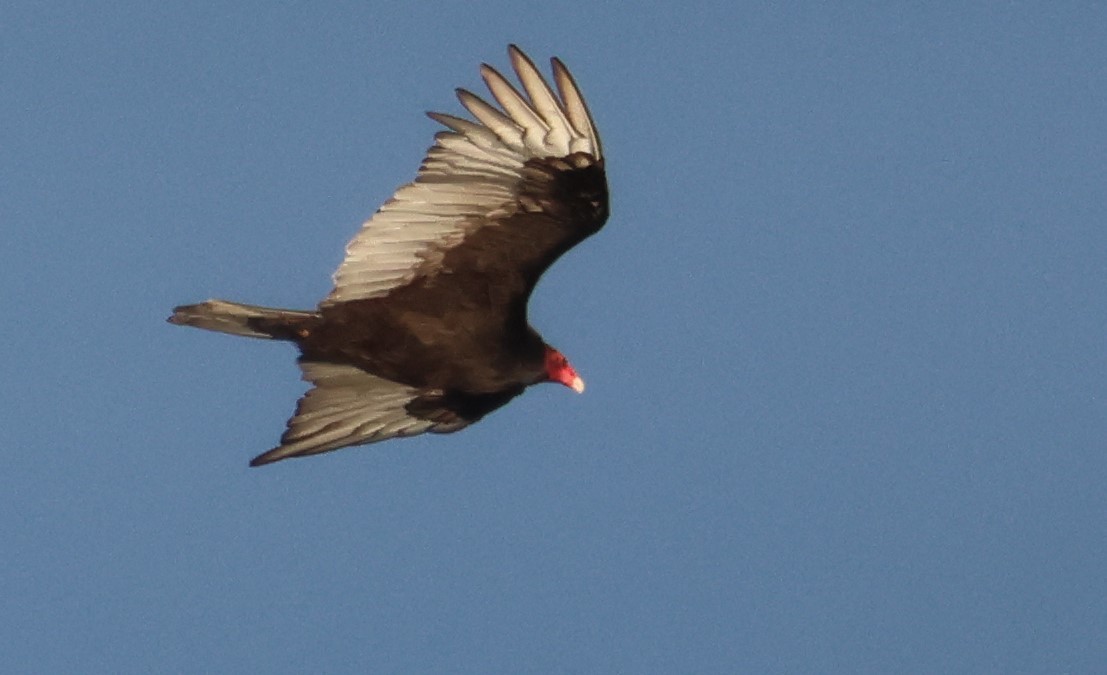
845,341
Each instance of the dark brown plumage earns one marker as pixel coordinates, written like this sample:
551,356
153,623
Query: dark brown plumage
426,328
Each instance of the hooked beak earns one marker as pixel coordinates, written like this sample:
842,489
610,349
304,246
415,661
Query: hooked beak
577,385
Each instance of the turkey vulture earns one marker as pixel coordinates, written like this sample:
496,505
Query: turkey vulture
426,328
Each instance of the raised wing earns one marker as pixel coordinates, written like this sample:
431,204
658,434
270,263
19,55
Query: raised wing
348,406
501,197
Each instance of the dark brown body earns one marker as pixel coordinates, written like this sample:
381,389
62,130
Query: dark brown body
420,348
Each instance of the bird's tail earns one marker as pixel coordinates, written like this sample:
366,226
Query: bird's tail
246,320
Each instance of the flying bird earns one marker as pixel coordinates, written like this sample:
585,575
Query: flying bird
426,329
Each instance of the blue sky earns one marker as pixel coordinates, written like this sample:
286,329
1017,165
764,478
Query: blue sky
844,339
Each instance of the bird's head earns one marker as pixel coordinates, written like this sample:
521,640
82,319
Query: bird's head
559,370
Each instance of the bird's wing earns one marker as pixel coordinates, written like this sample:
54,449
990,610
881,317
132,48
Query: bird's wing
348,406
503,195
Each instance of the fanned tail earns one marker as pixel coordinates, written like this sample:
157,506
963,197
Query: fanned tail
246,320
